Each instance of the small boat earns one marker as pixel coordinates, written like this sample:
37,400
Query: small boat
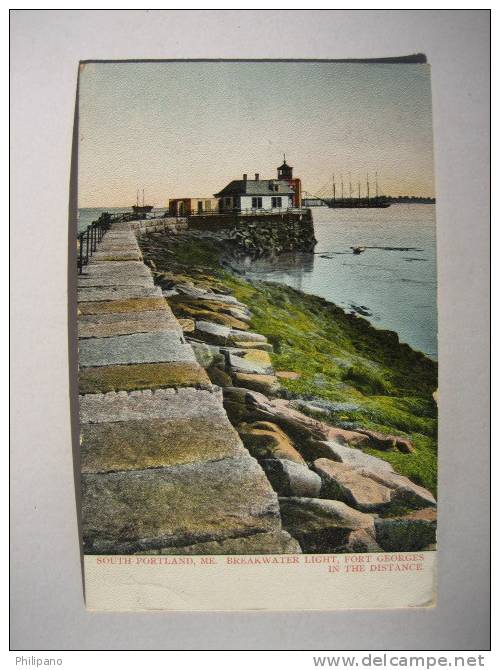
358,250
141,210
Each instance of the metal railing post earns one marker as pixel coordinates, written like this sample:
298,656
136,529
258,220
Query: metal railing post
87,241
80,253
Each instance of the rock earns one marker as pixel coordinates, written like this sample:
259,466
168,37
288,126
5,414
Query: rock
386,442
117,293
288,374
251,361
209,295
160,404
412,532
141,376
348,437
265,440
153,443
192,291
289,478
267,384
187,325
303,404
211,332
403,489
343,482
117,269
204,354
238,313
356,458
404,445
121,306
278,542
121,279
128,323
322,526
211,316
361,542
219,377
154,347
125,512
245,336
262,346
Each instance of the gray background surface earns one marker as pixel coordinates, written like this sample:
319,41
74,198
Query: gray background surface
47,603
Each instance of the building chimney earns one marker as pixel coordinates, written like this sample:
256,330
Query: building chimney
245,177
256,176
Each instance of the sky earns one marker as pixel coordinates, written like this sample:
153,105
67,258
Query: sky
186,129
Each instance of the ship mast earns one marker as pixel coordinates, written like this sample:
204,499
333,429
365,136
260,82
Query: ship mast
143,197
137,198
376,184
334,188
350,187
367,188
359,193
342,185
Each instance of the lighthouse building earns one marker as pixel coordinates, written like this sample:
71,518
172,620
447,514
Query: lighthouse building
284,192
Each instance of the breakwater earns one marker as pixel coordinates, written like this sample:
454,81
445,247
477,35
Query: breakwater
163,469
260,234
188,441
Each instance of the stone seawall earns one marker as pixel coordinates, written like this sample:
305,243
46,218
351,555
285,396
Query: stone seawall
164,224
259,235
162,468
187,443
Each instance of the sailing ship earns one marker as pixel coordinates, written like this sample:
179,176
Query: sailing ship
141,209
351,202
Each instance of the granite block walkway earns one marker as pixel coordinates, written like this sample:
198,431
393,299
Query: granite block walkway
163,470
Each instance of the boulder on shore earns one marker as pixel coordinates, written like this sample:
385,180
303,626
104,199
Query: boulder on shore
343,482
266,440
267,384
412,532
322,526
289,478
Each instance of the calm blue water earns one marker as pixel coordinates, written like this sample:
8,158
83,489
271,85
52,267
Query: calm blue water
393,287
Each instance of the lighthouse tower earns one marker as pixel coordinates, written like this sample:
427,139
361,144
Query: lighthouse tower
285,173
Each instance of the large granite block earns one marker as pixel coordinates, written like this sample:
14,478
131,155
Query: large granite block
124,512
160,404
141,376
279,542
136,348
115,306
109,325
94,294
152,443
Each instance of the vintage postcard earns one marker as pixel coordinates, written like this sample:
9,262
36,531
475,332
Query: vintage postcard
257,335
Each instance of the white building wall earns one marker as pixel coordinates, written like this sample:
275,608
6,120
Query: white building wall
286,201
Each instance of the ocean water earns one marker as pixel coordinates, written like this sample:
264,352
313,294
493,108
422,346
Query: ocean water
392,283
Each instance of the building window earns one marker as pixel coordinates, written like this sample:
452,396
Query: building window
276,202
208,206
256,203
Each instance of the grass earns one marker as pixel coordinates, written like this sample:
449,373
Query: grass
383,385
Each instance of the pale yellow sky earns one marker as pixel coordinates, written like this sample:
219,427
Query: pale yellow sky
180,129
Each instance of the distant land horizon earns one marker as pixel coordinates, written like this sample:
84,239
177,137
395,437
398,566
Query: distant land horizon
416,199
